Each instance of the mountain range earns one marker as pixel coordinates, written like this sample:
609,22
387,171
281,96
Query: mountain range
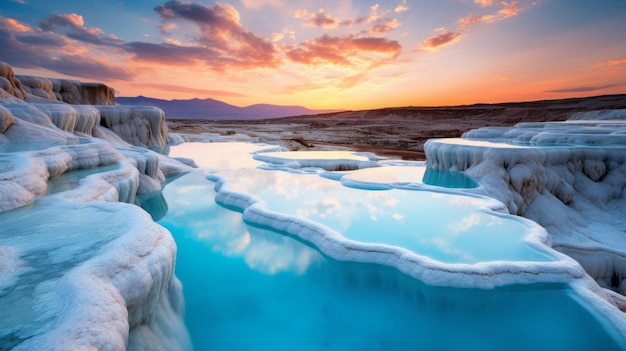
212,109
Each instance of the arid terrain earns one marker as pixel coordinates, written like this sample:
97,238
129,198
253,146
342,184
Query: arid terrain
395,132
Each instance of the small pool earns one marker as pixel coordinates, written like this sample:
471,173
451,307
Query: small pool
248,287
446,227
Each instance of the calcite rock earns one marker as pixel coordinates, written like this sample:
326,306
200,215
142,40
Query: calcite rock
9,84
139,125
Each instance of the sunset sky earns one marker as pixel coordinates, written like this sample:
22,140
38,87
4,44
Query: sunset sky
325,54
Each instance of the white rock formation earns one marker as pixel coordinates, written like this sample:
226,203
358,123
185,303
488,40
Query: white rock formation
569,177
79,268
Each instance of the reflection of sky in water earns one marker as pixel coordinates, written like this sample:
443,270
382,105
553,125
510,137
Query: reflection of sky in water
220,156
445,227
248,288
314,155
191,203
412,174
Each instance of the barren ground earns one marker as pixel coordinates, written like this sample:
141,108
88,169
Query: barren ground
395,132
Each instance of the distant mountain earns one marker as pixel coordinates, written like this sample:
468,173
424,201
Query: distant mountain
217,110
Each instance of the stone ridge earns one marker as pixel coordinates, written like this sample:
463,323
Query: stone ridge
33,89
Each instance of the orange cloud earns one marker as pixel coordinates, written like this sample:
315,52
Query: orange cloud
616,65
384,27
14,25
615,62
347,51
510,9
485,3
401,7
442,38
445,37
221,42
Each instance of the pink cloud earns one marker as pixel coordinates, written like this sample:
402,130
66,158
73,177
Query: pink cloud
442,38
346,51
194,91
221,42
16,26
509,9
384,26
445,37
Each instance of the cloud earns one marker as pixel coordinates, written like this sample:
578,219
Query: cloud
75,29
286,33
510,9
257,4
13,25
466,22
195,91
38,48
375,18
384,26
486,3
351,81
319,19
348,51
401,7
616,65
582,89
88,67
445,37
442,38
220,43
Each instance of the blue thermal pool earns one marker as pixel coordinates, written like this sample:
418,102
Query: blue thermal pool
446,227
248,287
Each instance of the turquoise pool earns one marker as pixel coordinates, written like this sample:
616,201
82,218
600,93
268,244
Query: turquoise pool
249,287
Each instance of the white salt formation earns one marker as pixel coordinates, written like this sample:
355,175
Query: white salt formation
569,177
79,268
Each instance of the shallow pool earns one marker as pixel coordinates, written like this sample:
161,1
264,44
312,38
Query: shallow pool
249,288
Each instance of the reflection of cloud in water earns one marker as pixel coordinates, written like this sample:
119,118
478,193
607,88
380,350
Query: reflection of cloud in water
192,201
466,201
321,208
272,253
398,217
448,248
461,232
465,224
220,156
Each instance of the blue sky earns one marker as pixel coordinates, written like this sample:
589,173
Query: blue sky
325,54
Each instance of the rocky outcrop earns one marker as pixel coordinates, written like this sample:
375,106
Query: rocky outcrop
570,177
78,108
97,269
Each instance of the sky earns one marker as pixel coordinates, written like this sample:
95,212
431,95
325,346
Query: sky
335,54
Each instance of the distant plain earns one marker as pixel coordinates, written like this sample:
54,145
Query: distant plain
394,132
